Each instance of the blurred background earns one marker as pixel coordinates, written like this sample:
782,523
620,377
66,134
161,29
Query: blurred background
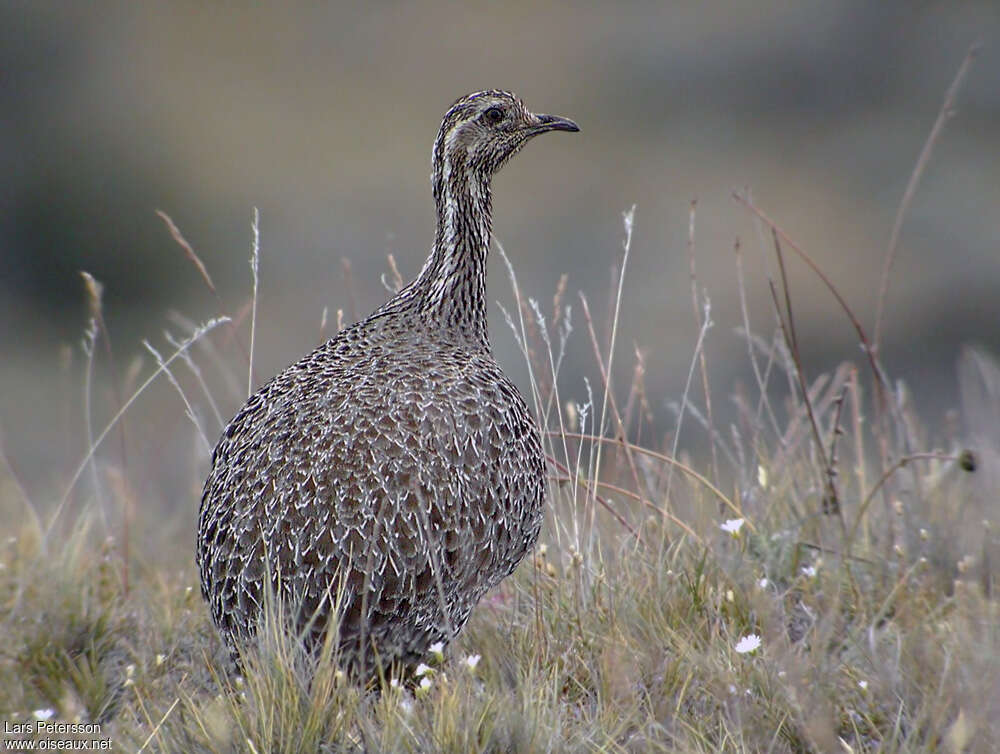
323,118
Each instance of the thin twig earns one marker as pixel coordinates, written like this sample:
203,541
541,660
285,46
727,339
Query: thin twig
830,498
881,381
899,464
835,432
944,115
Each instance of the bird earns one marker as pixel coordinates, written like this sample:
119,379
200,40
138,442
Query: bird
382,484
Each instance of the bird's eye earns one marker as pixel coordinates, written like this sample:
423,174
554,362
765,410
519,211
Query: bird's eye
493,115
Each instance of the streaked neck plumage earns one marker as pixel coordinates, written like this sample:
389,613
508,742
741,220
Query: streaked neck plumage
450,292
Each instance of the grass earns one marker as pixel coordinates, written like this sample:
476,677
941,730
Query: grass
858,553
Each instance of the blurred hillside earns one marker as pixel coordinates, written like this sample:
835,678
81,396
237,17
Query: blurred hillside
324,118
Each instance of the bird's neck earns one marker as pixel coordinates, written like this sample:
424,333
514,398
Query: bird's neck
451,288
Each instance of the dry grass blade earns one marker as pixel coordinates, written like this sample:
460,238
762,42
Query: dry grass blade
601,500
255,274
196,371
761,379
347,272
397,279
684,468
685,403
696,310
189,252
159,724
85,462
235,320
628,220
89,345
608,392
189,411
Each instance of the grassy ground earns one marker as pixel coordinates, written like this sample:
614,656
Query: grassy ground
877,621
822,581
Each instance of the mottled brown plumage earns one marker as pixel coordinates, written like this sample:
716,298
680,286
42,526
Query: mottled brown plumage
395,470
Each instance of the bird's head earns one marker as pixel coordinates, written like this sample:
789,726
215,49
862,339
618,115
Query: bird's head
483,130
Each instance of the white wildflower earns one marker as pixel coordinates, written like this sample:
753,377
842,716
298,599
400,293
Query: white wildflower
733,526
809,571
45,713
763,583
423,687
863,685
422,669
437,649
471,661
748,644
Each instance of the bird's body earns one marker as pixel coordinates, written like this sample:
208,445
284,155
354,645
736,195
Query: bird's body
392,476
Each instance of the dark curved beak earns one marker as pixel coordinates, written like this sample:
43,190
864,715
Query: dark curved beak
545,123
